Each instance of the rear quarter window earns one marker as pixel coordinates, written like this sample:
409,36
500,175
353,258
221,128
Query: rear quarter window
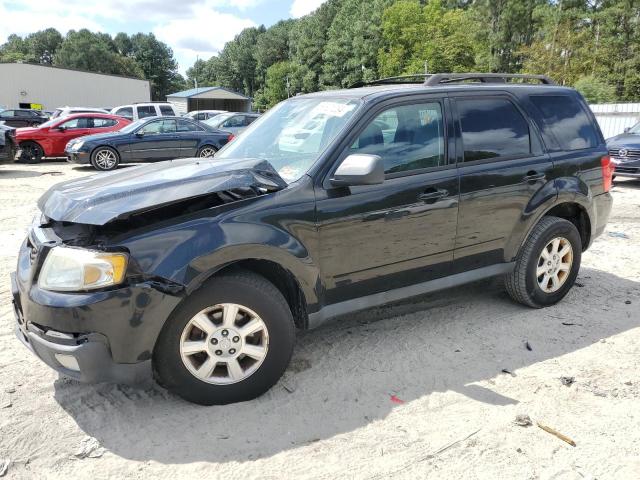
565,120
166,111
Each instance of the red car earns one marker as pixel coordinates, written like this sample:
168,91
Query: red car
50,138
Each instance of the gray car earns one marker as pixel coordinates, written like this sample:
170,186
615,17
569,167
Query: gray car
234,122
624,150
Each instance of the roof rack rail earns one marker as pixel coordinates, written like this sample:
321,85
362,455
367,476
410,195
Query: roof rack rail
440,78
418,77
433,79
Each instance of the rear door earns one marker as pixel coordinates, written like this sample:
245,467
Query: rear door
156,140
502,165
190,135
376,238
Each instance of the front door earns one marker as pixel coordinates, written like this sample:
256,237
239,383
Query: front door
156,140
401,232
502,166
65,131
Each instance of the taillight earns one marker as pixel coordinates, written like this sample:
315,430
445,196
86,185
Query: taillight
607,172
230,137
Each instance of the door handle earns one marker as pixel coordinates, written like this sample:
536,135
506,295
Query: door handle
533,176
432,195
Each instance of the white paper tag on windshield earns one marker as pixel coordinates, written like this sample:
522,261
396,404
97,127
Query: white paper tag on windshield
332,109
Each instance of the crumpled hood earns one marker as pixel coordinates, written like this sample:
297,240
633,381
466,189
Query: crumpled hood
102,198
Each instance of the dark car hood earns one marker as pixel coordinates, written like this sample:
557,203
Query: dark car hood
102,198
628,140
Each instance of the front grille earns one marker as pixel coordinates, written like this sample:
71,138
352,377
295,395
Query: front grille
630,154
627,170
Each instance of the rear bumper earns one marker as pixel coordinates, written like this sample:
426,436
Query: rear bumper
602,209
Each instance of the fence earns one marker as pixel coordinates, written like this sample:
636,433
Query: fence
615,117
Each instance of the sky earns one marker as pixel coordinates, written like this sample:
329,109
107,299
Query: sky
192,28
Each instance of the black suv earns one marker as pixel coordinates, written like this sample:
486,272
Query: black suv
330,203
22,118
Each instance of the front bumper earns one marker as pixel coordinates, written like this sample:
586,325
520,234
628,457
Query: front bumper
626,168
109,334
82,158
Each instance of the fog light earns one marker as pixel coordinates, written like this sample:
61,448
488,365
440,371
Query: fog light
68,361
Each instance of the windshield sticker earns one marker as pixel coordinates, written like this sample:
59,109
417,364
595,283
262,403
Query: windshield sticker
289,173
332,109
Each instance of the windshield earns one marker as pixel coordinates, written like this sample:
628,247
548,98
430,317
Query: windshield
48,123
132,126
292,135
218,120
635,129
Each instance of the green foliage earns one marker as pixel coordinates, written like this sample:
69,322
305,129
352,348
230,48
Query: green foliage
592,44
595,90
413,35
85,50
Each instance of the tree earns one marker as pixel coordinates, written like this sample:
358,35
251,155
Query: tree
354,38
44,44
156,61
85,50
413,34
595,90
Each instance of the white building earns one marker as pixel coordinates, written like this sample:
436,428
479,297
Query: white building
24,85
615,117
209,98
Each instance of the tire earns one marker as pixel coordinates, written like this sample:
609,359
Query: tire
253,293
207,151
105,159
32,152
524,285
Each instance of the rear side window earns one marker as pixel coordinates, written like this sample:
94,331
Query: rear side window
146,111
251,119
565,119
126,112
166,111
492,128
103,122
184,126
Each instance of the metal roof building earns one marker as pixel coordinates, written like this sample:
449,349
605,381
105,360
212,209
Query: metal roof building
43,87
209,98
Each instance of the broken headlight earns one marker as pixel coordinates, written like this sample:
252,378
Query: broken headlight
77,269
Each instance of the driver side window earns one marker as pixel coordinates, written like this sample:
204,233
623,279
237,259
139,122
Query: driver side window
408,137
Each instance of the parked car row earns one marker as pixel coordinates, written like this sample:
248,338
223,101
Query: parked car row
138,132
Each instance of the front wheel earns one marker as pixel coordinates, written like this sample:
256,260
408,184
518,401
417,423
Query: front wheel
31,152
547,264
105,159
230,341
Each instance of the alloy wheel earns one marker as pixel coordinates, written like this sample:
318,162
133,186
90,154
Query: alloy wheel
106,159
207,152
224,344
554,265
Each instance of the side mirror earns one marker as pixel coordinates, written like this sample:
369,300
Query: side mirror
627,129
359,169
62,128
139,134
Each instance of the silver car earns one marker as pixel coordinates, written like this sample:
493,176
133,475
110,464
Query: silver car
234,122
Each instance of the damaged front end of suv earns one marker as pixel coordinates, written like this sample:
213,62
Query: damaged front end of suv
96,279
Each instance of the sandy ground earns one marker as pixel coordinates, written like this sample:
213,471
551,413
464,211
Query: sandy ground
379,395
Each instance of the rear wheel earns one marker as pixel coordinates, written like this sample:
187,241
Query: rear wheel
105,159
207,151
547,264
31,152
230,341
